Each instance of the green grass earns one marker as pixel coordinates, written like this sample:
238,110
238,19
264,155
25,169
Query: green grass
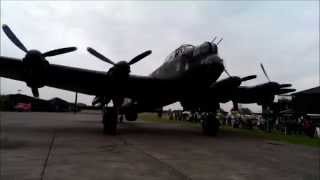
274,136
153,118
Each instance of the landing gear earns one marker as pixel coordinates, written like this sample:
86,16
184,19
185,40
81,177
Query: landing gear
131,116
110,120
210,124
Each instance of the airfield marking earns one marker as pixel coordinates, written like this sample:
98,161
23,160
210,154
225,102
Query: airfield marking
37,146
173,170
44,167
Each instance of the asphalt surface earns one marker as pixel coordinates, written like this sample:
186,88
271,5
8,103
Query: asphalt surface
72,146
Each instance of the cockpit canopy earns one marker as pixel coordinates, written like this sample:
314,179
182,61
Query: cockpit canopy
183,50
189,50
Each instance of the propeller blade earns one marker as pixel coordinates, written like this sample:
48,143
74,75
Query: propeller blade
139,57
219,41
59,51
285,85
225,70
35,92
247,78
214,39
100,56
264,71
285,91
13,38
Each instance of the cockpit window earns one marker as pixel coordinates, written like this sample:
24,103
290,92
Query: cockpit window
185,49
170,57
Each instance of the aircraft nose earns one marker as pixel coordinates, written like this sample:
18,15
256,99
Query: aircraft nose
213,60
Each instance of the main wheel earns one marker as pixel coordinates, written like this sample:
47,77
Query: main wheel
210,125
110,120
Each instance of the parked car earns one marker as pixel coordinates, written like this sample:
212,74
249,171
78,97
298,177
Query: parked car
23,107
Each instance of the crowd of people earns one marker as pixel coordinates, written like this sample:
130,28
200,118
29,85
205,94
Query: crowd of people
266,121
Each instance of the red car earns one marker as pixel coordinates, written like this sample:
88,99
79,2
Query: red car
23,107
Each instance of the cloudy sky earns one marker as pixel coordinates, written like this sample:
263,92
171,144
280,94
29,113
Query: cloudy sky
284,36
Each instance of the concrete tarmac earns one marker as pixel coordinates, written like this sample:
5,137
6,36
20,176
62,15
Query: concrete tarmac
72,146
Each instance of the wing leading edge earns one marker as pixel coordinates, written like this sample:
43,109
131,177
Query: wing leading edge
91,82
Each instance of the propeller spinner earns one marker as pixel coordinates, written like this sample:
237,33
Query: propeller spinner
34,60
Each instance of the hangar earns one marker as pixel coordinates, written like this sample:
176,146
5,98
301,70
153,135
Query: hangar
307,101
8,103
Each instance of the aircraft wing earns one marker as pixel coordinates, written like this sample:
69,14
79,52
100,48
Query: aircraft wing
226,90
89,81
258,94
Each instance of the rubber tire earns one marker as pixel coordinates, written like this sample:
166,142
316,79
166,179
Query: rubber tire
110,121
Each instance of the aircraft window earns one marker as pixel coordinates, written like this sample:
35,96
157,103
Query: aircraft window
186,67
178,67
188,50
179,51
184,49
187,46
170,57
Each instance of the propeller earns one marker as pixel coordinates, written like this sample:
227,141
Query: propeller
219,41
13,38
19,44
264,71
100,56
279,85
122,66
246,78
139,57
59,51
225,70
34,60
105,59
285,85
214,39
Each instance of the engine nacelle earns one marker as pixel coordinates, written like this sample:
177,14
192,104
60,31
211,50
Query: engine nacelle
225,84
35,69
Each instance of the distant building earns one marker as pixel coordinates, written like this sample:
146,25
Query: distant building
9,102
59,105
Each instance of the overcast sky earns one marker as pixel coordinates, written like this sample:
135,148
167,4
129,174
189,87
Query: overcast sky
284,36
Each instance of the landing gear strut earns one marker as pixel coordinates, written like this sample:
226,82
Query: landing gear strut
210,124
110,120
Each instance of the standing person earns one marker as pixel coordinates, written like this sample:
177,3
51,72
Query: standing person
267,115
229,119
308,126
